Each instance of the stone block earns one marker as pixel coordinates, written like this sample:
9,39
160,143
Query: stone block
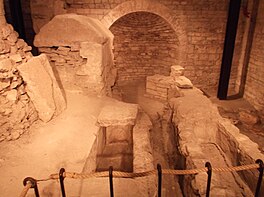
7,30
79,28
13,37
59,99
21,43
5,65
42,87
12,95
4,84
118,114
176,71
116,149
248,118
174,92
151,85
120,133
16,58
183,82
119,163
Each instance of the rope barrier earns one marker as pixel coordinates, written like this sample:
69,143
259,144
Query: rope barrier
119,174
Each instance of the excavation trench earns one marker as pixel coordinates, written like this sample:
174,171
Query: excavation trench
186,133
181,134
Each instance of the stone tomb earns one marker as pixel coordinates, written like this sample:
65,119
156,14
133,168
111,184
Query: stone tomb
115,139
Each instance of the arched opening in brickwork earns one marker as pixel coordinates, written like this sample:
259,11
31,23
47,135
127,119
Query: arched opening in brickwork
175,20
144,45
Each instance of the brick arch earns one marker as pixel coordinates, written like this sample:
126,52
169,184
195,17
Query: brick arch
155,8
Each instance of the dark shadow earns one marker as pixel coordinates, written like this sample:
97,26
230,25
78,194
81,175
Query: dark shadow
18,14
28,24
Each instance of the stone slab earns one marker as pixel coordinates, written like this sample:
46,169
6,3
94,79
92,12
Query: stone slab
69,29
176,71
42,87
5,65
118,114
60,101
183,82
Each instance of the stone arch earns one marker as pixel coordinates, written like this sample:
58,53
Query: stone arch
156,8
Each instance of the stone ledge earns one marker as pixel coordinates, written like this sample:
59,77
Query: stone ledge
118,114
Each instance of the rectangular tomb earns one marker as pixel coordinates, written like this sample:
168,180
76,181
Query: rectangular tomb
115,139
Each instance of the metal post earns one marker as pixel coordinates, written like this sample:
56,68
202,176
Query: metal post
159,179
229,45
209,172
62,170
111,181
260,169
33,184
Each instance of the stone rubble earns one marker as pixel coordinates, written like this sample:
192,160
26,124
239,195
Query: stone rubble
165,87
18,109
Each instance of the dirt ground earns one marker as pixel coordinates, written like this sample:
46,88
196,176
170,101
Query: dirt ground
63,142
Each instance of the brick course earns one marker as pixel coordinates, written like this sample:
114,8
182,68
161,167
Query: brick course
254,90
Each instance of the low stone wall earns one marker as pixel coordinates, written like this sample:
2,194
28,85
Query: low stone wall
240,149
17,111
69,56
203,136
24,97
165,87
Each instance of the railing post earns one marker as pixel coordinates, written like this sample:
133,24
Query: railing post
260,169
33,184
111,181
62,170
159,179
209,172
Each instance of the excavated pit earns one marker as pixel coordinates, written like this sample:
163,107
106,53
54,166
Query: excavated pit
174,150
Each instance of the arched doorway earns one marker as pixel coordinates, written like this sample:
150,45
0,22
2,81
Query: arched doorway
144,45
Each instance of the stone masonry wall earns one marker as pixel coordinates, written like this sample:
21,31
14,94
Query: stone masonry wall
254,91
81,53
66,59
17,112
144,45
201,23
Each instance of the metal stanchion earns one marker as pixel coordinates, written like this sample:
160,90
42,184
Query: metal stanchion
260,169
159,180
62,170
33,184
209,172
111,181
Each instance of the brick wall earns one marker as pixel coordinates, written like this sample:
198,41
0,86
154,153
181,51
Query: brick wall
254,90
144,45
198,24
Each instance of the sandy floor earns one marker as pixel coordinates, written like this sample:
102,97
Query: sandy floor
63,142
